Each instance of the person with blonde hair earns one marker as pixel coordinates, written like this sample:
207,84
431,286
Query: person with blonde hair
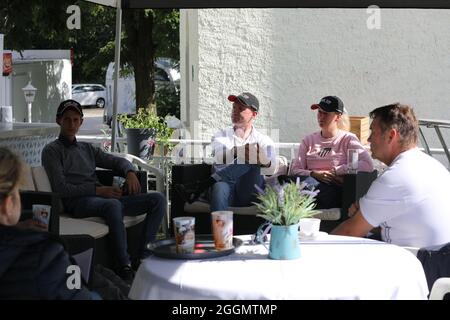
34,263
321,159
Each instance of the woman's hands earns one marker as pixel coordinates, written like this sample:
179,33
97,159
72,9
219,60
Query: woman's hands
327,176
32,224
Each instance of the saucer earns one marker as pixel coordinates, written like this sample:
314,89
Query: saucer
312,237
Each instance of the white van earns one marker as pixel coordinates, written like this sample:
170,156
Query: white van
167,74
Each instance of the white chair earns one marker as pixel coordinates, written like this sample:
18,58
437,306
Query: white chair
142,165
440,288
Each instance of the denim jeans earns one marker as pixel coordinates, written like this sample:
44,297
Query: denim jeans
113,210
235,186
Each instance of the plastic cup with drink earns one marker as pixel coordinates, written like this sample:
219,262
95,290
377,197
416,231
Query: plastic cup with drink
222,227
41,213
352,161
184,229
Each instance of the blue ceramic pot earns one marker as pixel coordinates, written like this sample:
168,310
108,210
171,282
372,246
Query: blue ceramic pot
284,244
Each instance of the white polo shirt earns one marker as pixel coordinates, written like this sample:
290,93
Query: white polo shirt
410,201
226,139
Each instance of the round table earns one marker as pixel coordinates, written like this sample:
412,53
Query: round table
330,267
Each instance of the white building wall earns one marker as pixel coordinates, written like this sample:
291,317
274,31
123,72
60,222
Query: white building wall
53,81
290,58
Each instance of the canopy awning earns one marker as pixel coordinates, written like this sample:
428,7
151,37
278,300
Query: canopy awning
420,4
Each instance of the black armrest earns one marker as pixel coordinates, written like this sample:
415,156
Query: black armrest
28,198
355,186
185,173
105,177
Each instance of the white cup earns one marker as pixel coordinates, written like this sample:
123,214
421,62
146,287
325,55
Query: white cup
6,117
309,227
118,182
352,161
41,213
222,227
184,229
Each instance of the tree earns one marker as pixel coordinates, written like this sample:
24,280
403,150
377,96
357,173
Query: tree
41,24
149,33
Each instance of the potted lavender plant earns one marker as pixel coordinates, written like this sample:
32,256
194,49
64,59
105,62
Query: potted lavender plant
284,206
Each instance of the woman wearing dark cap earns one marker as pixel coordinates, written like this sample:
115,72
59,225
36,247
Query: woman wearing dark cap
322,155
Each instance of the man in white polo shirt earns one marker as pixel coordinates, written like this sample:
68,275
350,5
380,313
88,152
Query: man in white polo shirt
410,200
239,151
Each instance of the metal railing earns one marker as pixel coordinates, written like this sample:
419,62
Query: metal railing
436,125
196,151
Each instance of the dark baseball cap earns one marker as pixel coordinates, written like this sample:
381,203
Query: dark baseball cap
69,104
330,104
247,99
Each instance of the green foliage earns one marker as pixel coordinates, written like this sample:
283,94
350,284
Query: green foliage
168,102
287,205
41,24
149,33
147,119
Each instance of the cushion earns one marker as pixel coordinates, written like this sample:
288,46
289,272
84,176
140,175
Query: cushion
332,214
128,221
41,179
70,226
203,207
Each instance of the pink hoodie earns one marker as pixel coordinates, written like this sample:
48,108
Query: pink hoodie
317,153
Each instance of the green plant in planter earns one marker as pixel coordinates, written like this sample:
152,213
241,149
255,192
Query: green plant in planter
285,205
146,119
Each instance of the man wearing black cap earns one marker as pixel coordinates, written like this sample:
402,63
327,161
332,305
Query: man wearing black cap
70,166
240,152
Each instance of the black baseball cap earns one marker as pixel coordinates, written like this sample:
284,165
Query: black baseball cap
69,104
247,99
330,104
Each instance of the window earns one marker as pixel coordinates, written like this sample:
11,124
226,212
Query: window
161,75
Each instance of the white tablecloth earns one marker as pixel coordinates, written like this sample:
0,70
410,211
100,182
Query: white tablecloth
330,267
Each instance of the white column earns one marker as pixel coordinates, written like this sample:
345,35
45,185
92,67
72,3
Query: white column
2,78
116,76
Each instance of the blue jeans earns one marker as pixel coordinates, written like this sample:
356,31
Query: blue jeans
235,186
113,211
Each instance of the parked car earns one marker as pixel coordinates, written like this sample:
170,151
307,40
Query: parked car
167,76
89,94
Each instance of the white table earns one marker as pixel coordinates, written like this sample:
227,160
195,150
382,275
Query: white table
330,267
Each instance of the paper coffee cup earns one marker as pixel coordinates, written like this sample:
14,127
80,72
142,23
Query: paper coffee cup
222,228
184,229
41,213
6,117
